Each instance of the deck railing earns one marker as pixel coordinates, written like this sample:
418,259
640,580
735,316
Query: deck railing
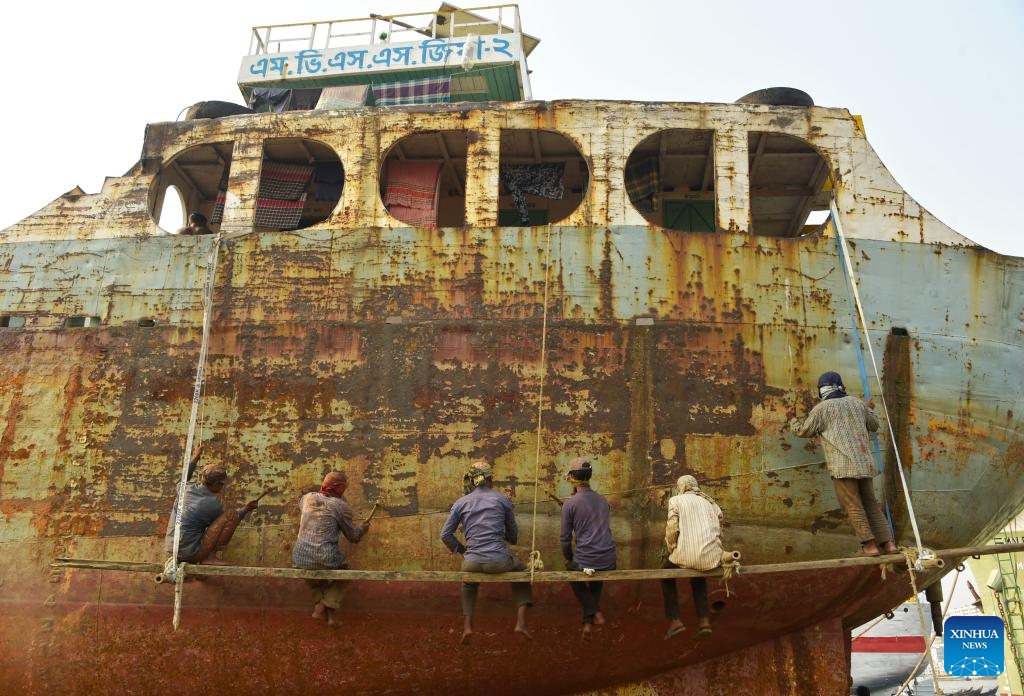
286,38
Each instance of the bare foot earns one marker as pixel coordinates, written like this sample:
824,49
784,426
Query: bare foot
891,548
587,632
331,620
320,612
703,630
521,630
870,548
599,619
212,561
467,637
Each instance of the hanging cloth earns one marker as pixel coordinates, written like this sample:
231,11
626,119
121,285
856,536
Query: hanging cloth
544,180
412,190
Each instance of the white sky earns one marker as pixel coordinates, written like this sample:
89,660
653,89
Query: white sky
937,82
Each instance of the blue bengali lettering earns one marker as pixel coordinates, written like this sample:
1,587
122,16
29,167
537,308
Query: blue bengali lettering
433,51
308,61
279,65
259,68
338,60
357,58
501,46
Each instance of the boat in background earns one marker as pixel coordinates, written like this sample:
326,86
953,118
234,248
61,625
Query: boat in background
415,265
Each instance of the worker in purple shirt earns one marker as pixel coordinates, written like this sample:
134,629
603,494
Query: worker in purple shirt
586,519
488,522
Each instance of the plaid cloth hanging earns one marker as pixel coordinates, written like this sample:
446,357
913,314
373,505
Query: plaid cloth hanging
428,90
278,214
283,182
643,181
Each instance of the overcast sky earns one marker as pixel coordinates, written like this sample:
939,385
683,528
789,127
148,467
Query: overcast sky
937,82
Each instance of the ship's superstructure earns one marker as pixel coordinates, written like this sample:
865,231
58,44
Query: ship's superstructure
396,287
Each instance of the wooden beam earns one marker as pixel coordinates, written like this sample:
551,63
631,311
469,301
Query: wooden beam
539,576
448,163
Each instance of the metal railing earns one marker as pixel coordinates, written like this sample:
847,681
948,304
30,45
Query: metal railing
383,29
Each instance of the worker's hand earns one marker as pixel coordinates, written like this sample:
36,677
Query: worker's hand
869,403
251,505
366,526
197,454
794,423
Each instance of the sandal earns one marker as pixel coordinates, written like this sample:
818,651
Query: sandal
674,631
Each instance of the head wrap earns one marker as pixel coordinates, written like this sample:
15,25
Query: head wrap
830,386
686,484
334,484
579,469
212,474
479,471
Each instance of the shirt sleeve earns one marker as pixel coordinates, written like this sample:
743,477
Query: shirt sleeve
511,528
566,538
448,531
347,524
870,419
810,426
672,526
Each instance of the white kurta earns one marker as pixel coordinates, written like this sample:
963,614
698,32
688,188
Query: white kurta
694,532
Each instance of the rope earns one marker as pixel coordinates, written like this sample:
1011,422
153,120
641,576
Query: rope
211,274
922,552
534,553
862,370
920,615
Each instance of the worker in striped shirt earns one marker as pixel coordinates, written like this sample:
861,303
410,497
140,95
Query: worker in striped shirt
693,536
842,423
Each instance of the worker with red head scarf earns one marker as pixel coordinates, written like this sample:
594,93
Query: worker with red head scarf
326,517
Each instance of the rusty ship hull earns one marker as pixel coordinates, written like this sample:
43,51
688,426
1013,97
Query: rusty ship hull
399,353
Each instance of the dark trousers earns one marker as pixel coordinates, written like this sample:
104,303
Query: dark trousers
857,496
522,593
699,588
588,594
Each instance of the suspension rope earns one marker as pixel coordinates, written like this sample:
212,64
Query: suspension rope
877,450
921,552
208,285
534,553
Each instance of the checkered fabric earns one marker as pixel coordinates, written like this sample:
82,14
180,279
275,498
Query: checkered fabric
279,215
643,182
283,182
218,208
429,90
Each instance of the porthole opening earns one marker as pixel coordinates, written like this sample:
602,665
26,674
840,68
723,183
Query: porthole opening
790,186
189,183
542,178
670,179
423,179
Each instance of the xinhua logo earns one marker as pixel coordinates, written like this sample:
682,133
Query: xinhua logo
973,646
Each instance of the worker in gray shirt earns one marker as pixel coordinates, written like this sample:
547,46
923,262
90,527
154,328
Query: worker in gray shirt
205,526
487,522
586,518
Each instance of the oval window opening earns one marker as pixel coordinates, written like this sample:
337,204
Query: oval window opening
423,179
543,178
670,179
301,182
189,183
790,186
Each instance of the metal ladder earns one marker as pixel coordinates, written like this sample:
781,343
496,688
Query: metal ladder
1011,609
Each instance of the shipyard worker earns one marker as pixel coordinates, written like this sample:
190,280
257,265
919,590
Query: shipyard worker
206,527
842,423
196,225
325,517
693,536
487,522
586,519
